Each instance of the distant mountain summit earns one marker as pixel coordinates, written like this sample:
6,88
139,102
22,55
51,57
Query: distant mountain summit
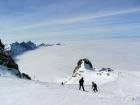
8,65
19,48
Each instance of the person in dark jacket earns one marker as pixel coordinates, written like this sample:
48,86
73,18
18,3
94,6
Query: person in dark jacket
62,83
94,87
81,84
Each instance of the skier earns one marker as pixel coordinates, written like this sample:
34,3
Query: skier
62,83
81,84
94,87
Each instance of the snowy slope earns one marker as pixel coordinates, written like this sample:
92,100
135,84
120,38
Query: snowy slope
22,92
90,76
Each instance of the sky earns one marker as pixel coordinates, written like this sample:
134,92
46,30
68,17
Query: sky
42,20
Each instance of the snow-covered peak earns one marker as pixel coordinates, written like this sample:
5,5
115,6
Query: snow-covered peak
85,69
82,66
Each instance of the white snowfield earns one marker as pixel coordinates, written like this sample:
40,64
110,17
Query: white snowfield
123,91
52,65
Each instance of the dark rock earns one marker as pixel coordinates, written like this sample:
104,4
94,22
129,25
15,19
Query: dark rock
7,61
25,76
2,45
58,44
87,65
106,69
42,44
11,64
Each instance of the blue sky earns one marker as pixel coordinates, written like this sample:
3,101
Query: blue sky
68,19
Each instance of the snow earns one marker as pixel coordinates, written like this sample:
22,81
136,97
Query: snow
22,92
4,71
48,66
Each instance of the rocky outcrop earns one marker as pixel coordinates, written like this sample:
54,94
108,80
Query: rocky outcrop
47,45
1,45
82,65
6,60
25,76
106,69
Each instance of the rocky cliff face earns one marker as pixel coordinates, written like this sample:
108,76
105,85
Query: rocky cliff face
82,66
8,63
